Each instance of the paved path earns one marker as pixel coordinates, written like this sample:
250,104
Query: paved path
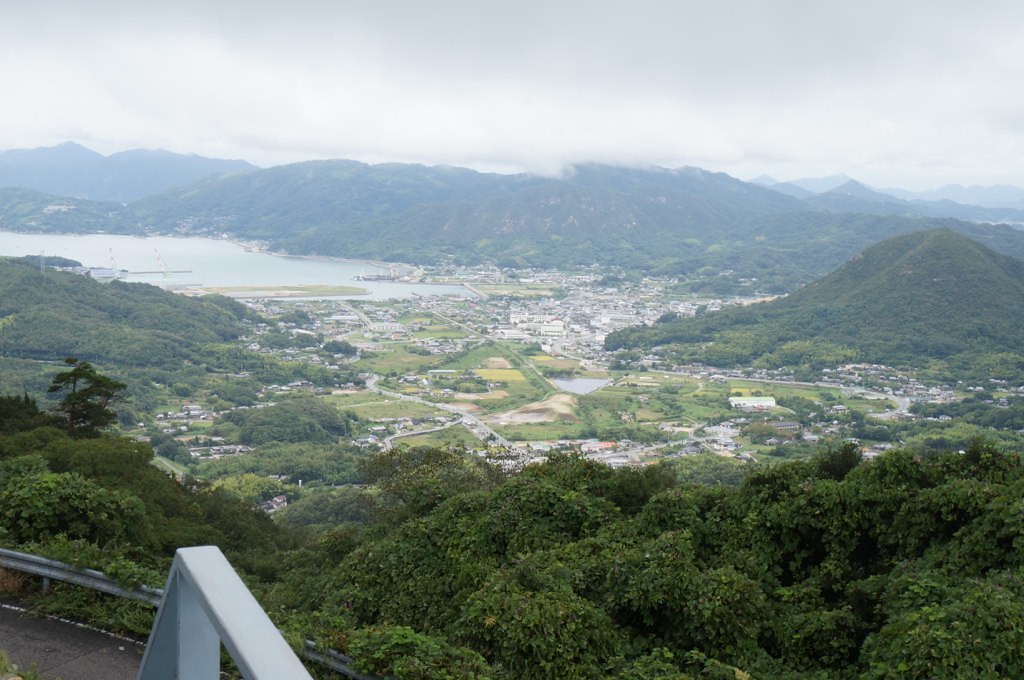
66,650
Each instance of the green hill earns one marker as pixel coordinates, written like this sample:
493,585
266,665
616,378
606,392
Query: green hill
26,210
684,222
149,338
932,295
53,315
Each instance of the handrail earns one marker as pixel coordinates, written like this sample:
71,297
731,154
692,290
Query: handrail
206,604
95,580
87,578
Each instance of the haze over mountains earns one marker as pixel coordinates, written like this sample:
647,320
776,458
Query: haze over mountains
728,234
70,169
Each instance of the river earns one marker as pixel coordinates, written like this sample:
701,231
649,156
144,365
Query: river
204,262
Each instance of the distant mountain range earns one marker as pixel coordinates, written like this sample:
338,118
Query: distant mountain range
928,295
72,170
716,233
840,194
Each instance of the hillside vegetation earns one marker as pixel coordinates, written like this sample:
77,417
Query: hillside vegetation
829,568
149,338
706,228
932,295
54,314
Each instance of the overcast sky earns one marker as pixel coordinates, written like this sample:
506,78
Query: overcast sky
903,93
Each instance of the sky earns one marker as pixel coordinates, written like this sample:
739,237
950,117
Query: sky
912,94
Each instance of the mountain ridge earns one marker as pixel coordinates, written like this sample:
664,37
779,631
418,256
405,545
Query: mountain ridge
724,235
929,295
70,169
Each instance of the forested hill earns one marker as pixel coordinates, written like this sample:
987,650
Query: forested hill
54,315
679,222
926,295
416,213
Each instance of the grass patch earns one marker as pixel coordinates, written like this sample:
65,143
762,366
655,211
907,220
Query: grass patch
356,399
516,289
395,409
312,290
505,375
399,360
440,333
456,435
168,465
540,431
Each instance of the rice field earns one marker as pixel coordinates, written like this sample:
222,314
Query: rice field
505,375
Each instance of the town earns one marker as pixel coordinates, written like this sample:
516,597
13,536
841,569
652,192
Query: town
518,368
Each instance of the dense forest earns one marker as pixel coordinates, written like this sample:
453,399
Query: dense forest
442,566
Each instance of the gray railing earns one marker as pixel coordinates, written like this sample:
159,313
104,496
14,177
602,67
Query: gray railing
87,578
204,604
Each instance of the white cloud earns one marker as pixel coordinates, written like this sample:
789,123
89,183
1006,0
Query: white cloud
912,93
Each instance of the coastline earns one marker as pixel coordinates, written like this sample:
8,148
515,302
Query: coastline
261,247
96,251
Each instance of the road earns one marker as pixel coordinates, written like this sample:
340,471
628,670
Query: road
66,650
475,425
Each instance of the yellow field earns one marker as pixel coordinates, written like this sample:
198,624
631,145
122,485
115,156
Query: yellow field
501,374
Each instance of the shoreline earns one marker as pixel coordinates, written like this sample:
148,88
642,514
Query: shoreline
260,247
410,275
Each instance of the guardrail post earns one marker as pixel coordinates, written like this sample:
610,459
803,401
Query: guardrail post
219,593
198,642
205,603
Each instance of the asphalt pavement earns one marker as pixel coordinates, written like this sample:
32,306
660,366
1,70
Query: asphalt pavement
66,650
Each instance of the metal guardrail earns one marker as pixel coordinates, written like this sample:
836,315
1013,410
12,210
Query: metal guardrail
87,578
198,562
205,604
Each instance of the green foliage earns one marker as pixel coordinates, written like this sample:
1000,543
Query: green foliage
657,665
87,397
10,669
128,324
971,628
710,468
19,414
300,419
419,479
327,509
836,462
820,569
36,504
891,305
308,463
341,347
552,633
401,652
